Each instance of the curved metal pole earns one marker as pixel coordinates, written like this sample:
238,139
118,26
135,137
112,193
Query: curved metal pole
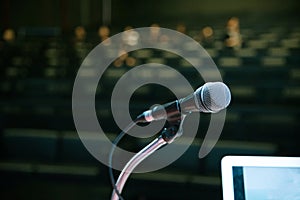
134,161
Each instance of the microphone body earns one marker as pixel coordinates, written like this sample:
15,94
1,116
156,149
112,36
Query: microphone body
209,98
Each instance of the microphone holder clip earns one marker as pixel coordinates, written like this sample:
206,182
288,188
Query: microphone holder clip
172,130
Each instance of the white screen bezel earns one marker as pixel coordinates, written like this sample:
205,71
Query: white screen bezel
228,162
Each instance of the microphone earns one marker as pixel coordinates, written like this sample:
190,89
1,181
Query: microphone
209,98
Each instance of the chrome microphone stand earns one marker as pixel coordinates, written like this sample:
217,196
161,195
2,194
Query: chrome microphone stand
167,136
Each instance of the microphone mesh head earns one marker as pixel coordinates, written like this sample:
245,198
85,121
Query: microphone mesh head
215,96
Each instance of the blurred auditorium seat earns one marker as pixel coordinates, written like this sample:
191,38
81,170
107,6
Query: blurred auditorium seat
257,44
294,73
29,145
143,54
222,148
73,151
52,147
273,61
156,60
239,91
230,62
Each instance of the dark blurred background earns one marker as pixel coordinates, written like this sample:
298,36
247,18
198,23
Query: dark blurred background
254,43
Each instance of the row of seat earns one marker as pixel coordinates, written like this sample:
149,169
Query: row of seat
59,52
246,82
269,121
53,147
54,57
228,66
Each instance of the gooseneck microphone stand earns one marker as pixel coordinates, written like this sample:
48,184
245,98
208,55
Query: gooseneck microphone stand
172,130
